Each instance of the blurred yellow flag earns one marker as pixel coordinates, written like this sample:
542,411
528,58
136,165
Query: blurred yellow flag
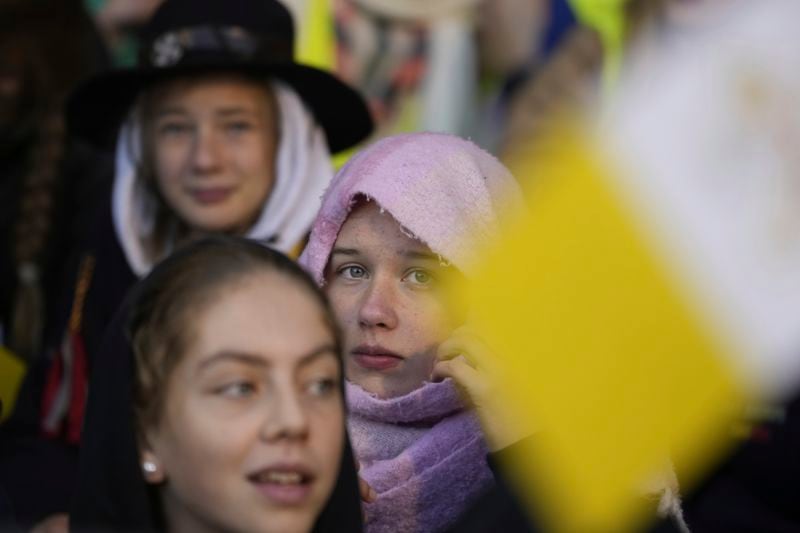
599,346
11,372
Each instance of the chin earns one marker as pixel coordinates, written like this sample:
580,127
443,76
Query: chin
385,388
289,521
213,226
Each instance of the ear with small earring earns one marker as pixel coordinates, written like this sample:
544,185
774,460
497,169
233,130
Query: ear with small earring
153,473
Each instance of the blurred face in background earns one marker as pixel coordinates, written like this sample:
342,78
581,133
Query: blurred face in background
386,291
212,142
251,431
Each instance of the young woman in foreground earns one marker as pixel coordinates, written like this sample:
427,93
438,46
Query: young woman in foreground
223,410
401,216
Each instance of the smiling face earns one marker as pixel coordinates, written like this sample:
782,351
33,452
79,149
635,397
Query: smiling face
212,141
251,432
385,289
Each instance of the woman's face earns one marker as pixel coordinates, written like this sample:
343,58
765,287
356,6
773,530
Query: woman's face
213,142
385,288
251,434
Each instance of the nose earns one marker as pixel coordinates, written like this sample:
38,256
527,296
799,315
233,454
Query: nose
206,156
379,305
287,419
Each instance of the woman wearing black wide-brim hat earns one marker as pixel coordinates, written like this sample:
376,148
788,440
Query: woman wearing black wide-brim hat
311,114
186,36
217,130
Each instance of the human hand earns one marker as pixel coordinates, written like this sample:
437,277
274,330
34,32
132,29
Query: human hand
367,493
470,362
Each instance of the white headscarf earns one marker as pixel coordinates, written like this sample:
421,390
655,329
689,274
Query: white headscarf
302,173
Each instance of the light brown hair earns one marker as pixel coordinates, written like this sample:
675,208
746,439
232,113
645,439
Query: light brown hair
166,303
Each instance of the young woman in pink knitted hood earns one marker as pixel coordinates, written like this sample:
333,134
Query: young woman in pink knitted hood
398,218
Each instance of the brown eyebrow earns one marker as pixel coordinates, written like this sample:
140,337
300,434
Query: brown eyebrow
410,254
345,251
229,355
426,256
255,360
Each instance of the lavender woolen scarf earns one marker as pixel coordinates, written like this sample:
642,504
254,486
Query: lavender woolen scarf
422,453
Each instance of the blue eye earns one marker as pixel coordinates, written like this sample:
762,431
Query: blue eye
352,272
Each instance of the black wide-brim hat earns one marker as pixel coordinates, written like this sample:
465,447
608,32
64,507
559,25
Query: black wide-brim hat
185,37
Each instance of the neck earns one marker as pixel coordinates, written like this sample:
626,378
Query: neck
181,519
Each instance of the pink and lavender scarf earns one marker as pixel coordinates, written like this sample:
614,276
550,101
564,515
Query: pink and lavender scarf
422,453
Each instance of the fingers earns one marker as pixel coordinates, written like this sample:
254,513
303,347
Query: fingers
458,341
367,493
459,370
463,342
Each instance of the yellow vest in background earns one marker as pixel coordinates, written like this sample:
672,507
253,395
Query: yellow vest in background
316,47
12,370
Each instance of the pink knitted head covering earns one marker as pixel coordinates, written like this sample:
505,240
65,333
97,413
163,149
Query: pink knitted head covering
445,190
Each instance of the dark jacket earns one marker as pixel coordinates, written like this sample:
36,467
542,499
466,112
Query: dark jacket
27,456
757,488
47,46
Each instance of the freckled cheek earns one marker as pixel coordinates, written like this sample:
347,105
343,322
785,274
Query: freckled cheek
345,309
430,325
